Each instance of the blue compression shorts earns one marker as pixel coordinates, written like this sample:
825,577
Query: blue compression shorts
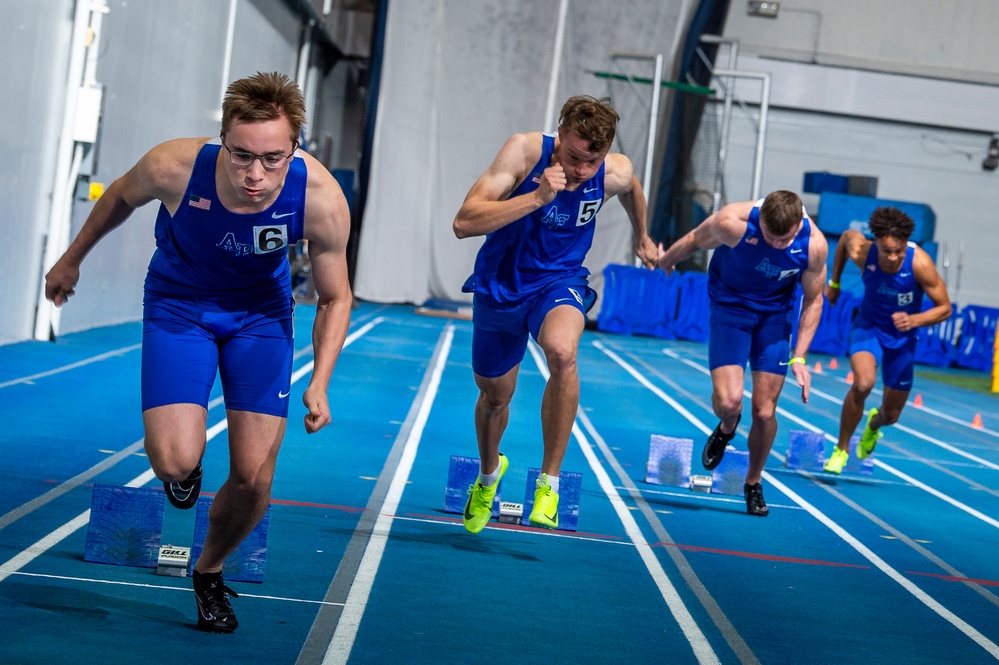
185,343
739,335
897,364
499,334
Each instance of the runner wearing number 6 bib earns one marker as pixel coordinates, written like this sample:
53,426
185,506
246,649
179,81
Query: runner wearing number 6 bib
218,301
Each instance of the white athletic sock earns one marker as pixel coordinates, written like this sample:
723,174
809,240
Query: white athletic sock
489,478
552,481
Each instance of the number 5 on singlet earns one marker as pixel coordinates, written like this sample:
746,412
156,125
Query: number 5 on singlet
587,211
267,239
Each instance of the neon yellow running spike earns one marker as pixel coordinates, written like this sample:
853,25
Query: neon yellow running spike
479,507
837,461
545,512
870,437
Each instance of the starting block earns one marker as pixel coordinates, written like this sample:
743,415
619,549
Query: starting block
570,487
126,524
729,476
246,564
173,560
510,512
861,467
669,461
462,474
806,451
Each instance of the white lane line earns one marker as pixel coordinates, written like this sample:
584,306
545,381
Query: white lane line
698,641
26,556
346,630
977,514
65,368
861,549
91,580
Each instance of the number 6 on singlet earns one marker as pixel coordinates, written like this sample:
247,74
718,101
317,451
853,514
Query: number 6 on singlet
267,239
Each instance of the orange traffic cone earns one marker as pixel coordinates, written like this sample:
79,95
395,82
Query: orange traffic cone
849,378
818,368
977,421
833,364
918,401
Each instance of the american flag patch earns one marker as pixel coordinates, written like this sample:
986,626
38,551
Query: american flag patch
751,241
870,266
536,179
200,203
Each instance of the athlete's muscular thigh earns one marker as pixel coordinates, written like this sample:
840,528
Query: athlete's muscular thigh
175,439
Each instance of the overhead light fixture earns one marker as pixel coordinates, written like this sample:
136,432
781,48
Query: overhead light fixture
761,8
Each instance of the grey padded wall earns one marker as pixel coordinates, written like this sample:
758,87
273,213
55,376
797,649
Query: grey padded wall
37,35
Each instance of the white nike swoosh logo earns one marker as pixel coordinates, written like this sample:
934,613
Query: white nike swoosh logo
591,189
795,251
562,299
277,216
783,364
283,395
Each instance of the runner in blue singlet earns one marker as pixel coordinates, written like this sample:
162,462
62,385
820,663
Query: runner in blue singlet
218,300
896,273
537,205
762,250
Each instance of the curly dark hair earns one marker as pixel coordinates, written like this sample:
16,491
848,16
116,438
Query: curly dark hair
781,211
592,119
887,222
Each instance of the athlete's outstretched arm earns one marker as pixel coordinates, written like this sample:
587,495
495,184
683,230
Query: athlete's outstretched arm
725,227
327,228
620,181
812,281
160,174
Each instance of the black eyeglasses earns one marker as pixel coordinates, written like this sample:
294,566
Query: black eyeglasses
271,161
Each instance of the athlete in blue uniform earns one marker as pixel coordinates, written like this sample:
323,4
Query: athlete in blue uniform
896,273
218,300
537,204
762,250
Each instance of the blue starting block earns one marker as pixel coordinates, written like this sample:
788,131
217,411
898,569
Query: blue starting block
729,476
855,465
570,487
126,525
805,450
246,564
669,461
462,474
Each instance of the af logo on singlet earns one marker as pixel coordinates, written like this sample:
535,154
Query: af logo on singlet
772,271
266,239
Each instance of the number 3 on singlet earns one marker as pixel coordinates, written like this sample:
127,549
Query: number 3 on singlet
267,239
587,211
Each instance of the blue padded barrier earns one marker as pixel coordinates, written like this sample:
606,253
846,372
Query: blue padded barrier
978,336
833,334
692,316
935,344
638,301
